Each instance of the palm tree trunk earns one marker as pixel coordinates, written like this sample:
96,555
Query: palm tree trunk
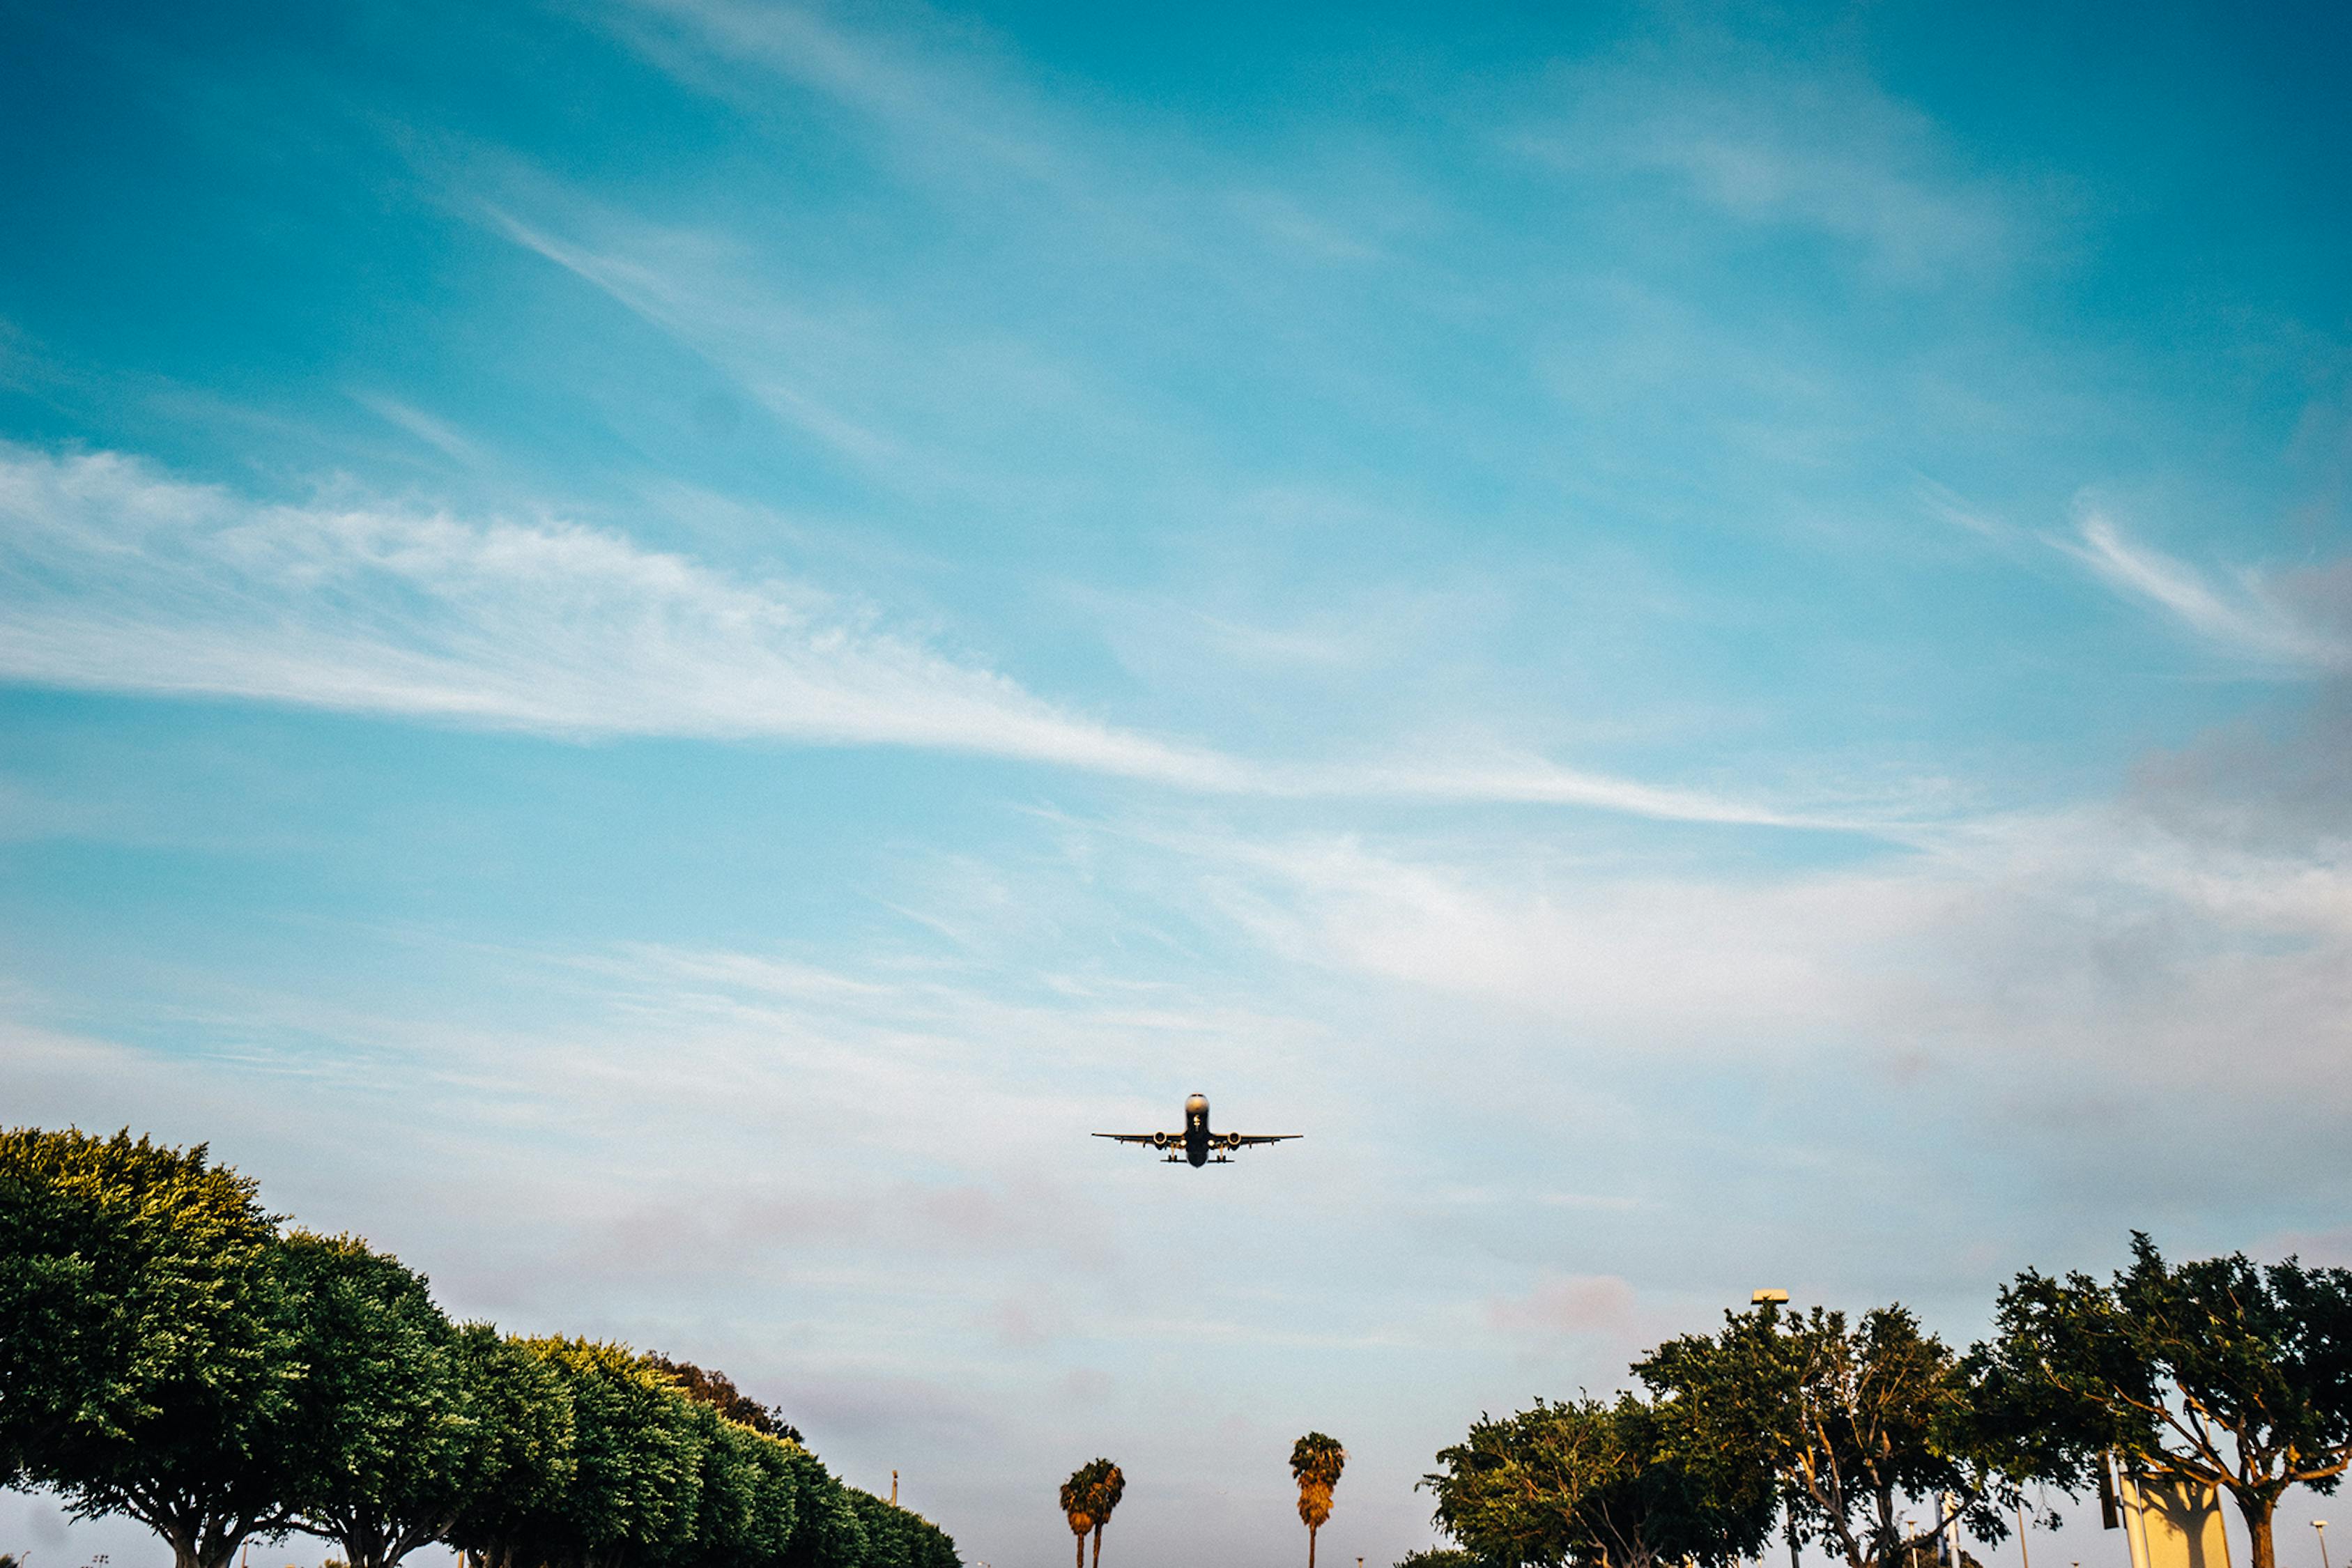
1098,1546
1082,1549
1310,1546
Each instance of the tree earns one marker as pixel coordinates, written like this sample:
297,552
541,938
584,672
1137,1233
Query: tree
2219,1373
1853,1422
150,1362
775,1499
527,1459
392,1441
827,1531
1105,1487
634,1493
1077,1499
1316,1461
717,1390
1596,1485
729,1526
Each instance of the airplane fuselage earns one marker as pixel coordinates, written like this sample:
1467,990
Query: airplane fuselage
1197,1140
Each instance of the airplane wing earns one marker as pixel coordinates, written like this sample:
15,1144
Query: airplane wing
1241,1139
1160,1139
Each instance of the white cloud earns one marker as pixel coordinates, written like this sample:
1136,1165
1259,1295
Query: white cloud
121,577
2093,940
2242,615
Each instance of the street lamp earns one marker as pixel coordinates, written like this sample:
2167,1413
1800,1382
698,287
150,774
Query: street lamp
2320,1525
1767,1297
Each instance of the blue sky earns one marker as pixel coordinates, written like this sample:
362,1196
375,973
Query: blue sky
653,648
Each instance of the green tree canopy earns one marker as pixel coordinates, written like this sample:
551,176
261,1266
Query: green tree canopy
635,1495
395,1449
717,1390
167,1352
2219,1373
828,1530
1854,1421
1600,1486
896,1538
150,1362
739,1520
527,1463
1443,1557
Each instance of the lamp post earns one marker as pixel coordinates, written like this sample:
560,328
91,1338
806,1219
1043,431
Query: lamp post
1767,1297
2319,1526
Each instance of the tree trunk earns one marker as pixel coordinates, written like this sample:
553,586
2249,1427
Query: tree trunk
1082,1549
224,1551
1098,1546
204,1543
2257,1511
1311,1548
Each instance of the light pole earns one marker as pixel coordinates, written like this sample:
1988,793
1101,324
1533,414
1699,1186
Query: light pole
1769,1297
2320,1527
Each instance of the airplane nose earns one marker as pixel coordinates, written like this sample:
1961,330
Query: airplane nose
1198,1102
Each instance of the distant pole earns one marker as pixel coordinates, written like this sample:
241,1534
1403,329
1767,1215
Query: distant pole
2320,1525
894,1489
2024,1558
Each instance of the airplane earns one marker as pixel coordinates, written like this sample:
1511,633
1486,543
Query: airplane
1196,1142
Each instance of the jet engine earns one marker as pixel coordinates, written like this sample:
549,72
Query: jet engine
1160,1140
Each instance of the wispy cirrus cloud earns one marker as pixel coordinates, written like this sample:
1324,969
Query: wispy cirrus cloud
121,577
2241,612
1838,156
949,111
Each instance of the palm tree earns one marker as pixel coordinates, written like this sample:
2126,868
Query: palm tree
1316,1461
1102,1497
1078,1501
